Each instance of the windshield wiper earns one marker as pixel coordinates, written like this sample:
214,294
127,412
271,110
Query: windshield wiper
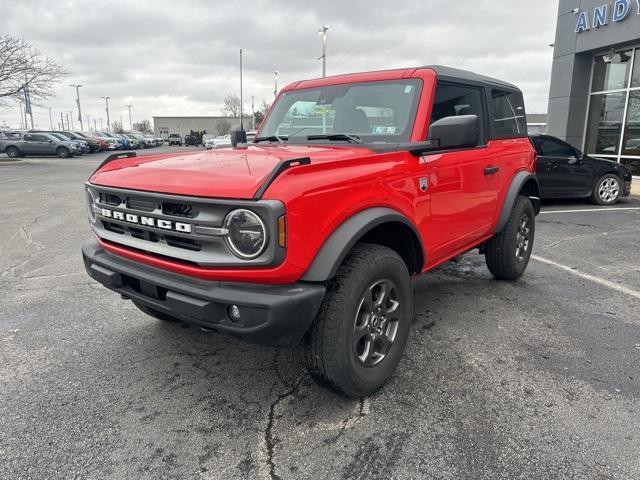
271,138
336,137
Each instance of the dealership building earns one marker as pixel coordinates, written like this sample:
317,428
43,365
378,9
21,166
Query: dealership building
594,99
163,126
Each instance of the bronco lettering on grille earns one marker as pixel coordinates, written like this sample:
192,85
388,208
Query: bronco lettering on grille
146,221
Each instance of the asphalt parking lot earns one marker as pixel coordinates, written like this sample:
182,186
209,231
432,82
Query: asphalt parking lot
537,379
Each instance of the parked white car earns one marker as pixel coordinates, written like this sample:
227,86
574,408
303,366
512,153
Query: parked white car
218,142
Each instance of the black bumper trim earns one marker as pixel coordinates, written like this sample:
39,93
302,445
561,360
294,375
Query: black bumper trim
275,315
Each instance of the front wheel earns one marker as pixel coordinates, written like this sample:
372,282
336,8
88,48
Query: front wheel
607,190
357,340
507,253
63,152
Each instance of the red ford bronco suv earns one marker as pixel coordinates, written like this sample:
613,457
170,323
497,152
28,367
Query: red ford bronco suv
311,232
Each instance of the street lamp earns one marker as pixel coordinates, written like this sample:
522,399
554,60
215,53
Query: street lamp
323,31
275,83
130,122
77,87
106,101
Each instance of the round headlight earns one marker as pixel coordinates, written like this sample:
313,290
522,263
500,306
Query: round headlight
247,237
90,204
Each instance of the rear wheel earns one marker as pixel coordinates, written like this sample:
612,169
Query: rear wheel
507,253
12,152
63,152
607,190
155,313
357,340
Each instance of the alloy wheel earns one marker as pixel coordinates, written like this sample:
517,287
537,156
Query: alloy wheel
523,237
609,190
376,323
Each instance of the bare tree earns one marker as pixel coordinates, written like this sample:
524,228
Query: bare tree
231,105
261,112
223,127
117,127
145,126
20,64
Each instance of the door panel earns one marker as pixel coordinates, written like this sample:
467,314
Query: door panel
463,199
561,169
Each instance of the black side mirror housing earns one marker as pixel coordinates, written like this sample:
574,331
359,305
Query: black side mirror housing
461,131
238,135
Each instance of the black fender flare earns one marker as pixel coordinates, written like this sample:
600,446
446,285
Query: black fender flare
341,241
518,182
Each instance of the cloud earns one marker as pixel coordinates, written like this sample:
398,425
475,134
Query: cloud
181,58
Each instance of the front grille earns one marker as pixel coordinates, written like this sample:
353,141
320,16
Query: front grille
166,225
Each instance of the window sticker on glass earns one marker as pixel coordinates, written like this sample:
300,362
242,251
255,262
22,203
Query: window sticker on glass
384,130
408,89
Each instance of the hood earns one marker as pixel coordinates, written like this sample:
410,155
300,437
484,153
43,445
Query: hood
226,173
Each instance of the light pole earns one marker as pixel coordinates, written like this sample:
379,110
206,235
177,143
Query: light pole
77,87
323,31
50,119
70,116
130,122
275,84
106,102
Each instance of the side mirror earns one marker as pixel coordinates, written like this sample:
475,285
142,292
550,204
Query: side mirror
461,131
237,136
573,160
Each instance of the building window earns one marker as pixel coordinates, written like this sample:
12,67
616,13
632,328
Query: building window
613,124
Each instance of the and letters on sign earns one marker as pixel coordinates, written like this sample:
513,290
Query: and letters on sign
602,15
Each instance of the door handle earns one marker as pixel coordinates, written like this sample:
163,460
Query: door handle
491,170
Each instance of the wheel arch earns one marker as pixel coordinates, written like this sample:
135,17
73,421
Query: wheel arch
378,225
523,183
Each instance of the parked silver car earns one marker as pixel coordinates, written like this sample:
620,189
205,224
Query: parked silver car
22,144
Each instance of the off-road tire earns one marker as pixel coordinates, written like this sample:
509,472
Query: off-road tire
501,251
155,313
607,194
63,152
12,152
330,353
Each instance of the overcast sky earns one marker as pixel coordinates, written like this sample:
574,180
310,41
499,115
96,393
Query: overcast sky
181,57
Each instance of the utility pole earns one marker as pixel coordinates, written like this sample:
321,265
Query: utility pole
130,122
22,117
68,124
70,117
62,120
323,31
100,123
88,123
241,126
106,101
275,84
77,87
50,119
253,114
95,125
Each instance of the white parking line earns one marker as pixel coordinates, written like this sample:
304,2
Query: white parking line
590,210
591,278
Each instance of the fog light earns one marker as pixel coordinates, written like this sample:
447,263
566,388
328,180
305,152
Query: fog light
234,313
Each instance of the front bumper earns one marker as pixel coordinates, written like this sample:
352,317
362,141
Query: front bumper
275,315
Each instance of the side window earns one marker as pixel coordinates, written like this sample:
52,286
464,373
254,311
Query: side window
30,138
509,115
453,100
552,148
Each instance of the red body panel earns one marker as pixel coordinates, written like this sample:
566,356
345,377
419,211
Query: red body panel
458,211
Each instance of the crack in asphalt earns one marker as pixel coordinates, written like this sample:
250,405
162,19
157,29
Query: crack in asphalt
30,242
270,439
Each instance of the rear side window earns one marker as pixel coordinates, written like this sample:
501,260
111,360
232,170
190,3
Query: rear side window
553,148
32,138
454,100
509,115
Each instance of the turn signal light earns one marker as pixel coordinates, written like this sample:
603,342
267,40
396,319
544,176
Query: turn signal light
282,231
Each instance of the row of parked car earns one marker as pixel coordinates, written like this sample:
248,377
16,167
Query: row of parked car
20,143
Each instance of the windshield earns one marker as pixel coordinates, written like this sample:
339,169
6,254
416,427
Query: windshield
377,112
59,136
